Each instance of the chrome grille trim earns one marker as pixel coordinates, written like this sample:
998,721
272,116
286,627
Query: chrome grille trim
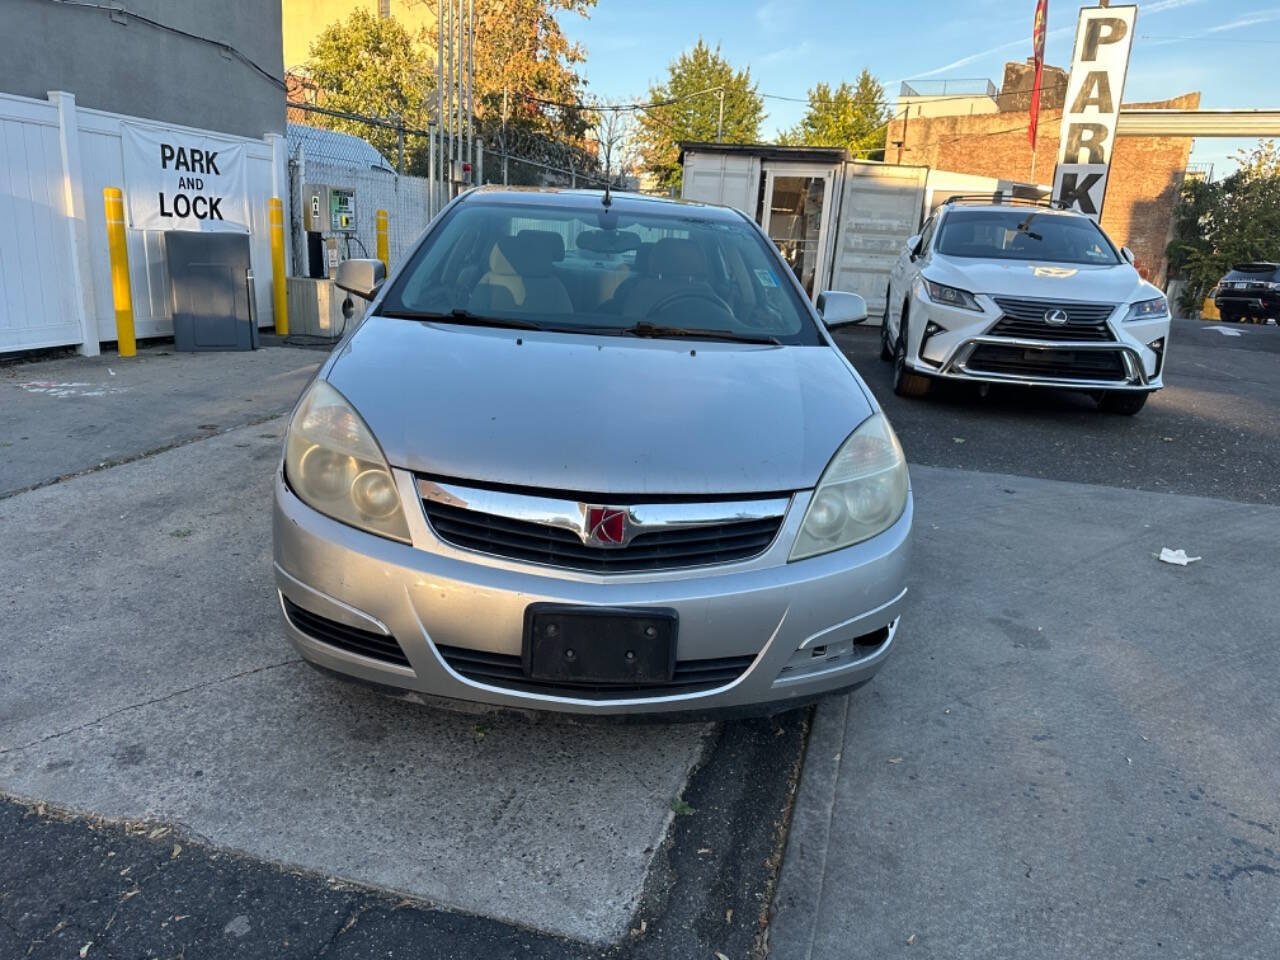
1025,318
661,535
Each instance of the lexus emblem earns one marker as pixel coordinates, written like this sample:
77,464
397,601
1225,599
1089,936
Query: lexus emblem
606,527
1056,318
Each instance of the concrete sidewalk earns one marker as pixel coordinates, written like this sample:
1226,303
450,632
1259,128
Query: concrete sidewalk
1075,753
144,673
64,416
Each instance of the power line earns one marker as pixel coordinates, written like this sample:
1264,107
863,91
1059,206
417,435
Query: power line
597,106
113,10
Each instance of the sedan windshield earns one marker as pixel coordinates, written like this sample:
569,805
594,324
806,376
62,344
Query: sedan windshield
1023,235
674,274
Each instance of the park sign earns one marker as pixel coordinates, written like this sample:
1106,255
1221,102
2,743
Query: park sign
1104,37
183,180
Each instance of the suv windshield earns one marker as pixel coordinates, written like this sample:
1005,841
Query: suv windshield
666,273
1024,235
1254,272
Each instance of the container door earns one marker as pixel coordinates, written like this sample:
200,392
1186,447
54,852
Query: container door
797,202
879,209
731,179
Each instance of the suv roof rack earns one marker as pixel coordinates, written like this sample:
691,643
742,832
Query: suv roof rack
999,198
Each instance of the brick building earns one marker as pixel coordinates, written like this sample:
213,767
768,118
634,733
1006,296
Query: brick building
1146,172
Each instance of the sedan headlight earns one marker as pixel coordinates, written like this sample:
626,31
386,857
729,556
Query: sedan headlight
951,296
862,492
1156,308
335,466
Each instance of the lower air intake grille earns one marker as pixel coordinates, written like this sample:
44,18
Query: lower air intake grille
1051,364
507,671
660,550
366,643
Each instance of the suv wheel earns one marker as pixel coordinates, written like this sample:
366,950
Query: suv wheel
906,382
1125,402
886,348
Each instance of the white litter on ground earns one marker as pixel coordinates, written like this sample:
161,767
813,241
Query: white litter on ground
1177,557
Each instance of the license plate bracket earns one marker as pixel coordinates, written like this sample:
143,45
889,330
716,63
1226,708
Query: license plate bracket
620,646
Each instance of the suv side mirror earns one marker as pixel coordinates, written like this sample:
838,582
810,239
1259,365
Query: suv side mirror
913,245
839,309
361,277
1128,254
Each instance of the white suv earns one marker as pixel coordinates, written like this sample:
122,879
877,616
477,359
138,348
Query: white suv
1023,292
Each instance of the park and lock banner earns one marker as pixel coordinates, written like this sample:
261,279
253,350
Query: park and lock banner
178,180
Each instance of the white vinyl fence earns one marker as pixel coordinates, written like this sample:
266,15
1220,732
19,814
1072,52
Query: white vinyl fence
55,280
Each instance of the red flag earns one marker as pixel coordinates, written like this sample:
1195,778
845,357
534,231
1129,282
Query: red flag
1037,40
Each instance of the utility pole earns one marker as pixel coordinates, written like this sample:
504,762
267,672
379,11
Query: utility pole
504,136
720,122
437,186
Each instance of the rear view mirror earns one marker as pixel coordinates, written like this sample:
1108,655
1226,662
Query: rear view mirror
1128,254
913,245
361,277
839,309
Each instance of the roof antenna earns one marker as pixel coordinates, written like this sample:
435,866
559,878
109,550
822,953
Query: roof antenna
607,199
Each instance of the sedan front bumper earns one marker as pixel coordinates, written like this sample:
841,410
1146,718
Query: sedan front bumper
798,629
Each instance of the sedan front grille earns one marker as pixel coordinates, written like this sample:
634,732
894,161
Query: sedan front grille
1025,319
507,671
366,643
665,549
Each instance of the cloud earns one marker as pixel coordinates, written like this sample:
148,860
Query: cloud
802,49
1160,6
775,14
1248,20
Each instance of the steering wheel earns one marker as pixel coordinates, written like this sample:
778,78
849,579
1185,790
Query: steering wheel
671,299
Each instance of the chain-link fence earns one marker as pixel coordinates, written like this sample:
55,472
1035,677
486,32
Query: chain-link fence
402,169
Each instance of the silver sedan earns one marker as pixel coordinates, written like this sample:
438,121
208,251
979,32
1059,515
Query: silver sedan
594,454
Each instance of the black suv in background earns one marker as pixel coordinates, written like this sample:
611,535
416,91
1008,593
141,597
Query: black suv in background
1251,291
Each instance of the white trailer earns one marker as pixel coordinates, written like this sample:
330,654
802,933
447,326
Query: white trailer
840,223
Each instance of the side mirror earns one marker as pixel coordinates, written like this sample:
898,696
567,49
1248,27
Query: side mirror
913,245
839,309
1128,254
361,277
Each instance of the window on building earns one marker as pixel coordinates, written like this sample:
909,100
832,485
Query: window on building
384,9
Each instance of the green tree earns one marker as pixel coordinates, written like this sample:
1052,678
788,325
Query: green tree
853,116
1234,220
690,110
370,66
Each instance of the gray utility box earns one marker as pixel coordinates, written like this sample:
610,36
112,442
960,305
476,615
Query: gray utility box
211,291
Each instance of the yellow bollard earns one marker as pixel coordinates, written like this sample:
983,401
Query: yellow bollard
1209,310
279,295
118,247
384,253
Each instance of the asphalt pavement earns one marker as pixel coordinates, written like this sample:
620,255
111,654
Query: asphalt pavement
1074,751
1213,431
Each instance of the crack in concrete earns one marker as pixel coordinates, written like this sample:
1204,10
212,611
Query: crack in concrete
147,703
141,455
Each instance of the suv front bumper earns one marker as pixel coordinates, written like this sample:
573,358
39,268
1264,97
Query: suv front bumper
955,352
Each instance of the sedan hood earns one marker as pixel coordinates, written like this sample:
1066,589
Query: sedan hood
1119,283
598,414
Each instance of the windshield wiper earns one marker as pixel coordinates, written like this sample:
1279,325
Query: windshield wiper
458,315
646,329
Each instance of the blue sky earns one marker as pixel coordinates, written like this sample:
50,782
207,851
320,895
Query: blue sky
1226,49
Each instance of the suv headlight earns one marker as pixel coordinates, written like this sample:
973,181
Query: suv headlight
862,492
951,296
334,465
1156,308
